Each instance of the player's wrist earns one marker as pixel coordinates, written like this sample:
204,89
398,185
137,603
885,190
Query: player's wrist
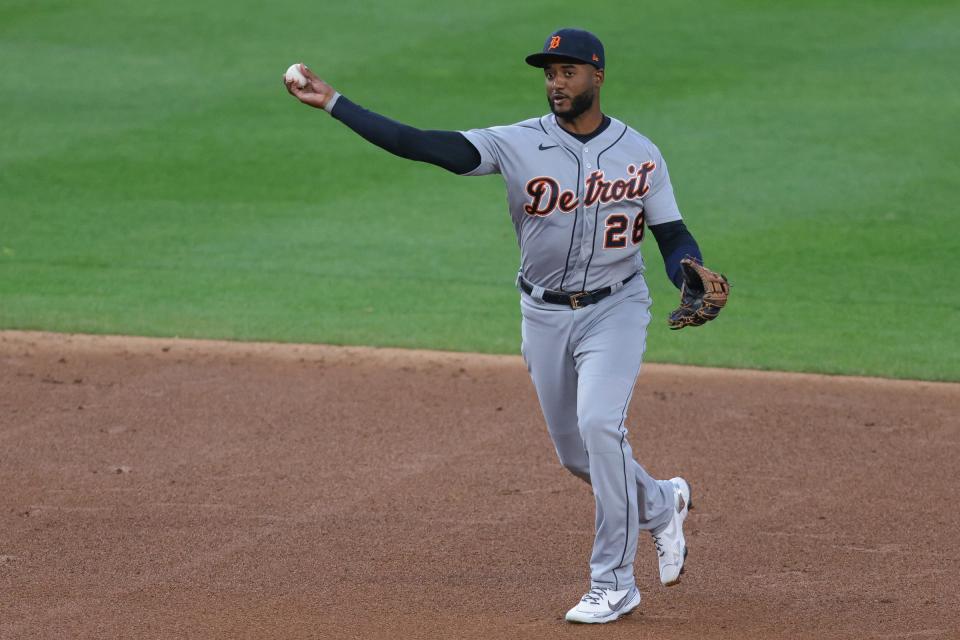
331,102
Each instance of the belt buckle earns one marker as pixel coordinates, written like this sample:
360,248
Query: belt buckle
575,299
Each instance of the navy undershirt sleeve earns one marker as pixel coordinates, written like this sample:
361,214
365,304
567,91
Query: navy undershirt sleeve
447,149
675,244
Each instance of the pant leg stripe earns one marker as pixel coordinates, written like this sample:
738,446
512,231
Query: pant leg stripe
626,497
626,487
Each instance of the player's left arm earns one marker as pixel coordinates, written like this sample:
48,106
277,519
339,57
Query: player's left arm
663,219
675,242
703,293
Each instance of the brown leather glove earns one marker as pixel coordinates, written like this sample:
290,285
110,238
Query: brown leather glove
702,295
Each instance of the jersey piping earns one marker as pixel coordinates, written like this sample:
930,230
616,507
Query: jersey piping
596,211
576,213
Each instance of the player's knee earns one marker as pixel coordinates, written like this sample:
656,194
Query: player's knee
600,431
571,453
578,467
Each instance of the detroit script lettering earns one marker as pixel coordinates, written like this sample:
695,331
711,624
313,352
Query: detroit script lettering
547,196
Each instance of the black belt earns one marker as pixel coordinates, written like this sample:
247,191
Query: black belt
576,300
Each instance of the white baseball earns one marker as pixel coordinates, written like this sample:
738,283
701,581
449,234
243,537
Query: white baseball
294,73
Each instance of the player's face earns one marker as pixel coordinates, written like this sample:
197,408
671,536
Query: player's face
571,88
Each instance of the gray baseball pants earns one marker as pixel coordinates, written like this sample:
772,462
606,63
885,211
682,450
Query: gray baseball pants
584,364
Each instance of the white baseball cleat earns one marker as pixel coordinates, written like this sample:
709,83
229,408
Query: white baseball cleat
603,604
670,543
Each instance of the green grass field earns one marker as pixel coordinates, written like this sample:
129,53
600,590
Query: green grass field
156,179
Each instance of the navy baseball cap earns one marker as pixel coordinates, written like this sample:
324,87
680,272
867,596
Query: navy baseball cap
575,44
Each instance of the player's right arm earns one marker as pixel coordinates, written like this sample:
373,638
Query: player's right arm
447,149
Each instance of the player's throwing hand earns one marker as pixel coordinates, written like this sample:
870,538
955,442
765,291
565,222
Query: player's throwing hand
315,93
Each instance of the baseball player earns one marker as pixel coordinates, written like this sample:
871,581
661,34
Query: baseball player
582,188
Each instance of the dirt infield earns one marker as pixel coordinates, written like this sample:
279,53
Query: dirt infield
165,488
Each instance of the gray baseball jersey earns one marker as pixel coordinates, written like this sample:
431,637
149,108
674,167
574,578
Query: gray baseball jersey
578,208
579,211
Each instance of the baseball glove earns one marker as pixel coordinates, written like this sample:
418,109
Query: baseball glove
702,295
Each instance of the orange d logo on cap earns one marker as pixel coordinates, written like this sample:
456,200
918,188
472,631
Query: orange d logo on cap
574,45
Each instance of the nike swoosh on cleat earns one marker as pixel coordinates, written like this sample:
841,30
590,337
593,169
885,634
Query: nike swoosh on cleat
543,148
616,606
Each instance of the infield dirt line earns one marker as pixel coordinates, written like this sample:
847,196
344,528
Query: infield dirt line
177,346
